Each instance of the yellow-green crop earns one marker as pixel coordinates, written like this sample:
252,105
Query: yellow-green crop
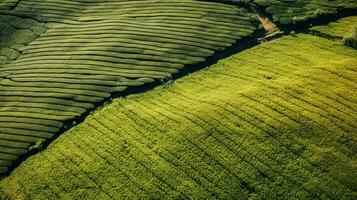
277,121
340,28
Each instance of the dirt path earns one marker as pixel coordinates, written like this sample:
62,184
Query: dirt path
268,25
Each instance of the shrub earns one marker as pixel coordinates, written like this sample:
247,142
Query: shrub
319,12
297,19
351,40
167,80
36,146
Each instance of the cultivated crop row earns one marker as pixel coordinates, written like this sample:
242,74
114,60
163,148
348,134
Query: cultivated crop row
341,28
93,49
296,11
274,121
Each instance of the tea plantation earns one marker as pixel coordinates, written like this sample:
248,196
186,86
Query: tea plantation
178,99
344,29
274,122
339,29
296,11
92,50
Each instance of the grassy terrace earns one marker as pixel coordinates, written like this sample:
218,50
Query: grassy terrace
89,50
296,11
344,29
61,58
339,29
277,121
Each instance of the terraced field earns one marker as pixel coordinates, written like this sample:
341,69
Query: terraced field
338,29
68,56
344,30
297,11
277,121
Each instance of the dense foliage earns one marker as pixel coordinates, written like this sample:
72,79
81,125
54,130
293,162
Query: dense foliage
93,49
339,29
344,29
15,33
274,122
277,121
298,11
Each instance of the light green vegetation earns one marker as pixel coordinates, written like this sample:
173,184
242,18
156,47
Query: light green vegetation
296,11
93,49
340,28
277,121
344,29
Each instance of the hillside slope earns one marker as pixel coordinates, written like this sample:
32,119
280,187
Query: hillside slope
344,29
277,121
298,11
338,29
61,58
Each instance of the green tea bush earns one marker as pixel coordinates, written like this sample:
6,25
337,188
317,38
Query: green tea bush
338,29
276,121
16,32
299,11
94,49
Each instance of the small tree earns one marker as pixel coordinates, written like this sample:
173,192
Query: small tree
351,40
167,80
36,146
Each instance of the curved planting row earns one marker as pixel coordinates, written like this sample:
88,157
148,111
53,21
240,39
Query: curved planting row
93,49
277,121
295,11
344,29
339,29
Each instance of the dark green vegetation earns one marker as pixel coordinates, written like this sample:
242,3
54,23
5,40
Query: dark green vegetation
277,121
298,11
15,33
93,49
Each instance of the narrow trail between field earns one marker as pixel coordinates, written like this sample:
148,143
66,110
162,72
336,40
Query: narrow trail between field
269,26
